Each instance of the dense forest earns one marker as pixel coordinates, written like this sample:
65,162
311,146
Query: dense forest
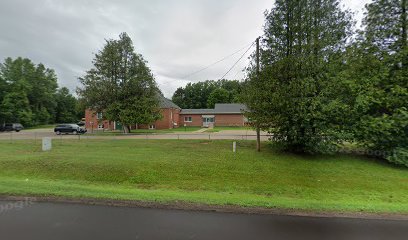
29,95
321,84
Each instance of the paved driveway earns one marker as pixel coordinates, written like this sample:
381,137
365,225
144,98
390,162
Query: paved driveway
41,221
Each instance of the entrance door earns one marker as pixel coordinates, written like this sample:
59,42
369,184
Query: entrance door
208,122
118,126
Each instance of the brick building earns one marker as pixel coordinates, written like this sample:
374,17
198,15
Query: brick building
174,117
222,115
170,118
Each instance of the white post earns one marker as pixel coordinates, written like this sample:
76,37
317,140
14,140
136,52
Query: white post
234,147
46,144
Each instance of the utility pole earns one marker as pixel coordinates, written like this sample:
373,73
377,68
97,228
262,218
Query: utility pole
258,129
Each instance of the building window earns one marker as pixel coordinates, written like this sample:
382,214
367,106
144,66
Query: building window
152,127
99,116
188,119
100,126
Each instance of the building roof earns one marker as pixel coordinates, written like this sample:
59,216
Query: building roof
167,103
197,111
232,108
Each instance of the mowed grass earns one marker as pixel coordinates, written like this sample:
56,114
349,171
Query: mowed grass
202,172
219,129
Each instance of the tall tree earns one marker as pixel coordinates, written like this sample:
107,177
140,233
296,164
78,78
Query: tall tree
121,85
15,107
196,95
293,96
378,68
179,98
35,82
66,110
219,95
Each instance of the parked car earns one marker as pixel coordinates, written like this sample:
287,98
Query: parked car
9,127
69,129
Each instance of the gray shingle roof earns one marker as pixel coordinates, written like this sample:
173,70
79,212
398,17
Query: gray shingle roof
230,108
197,111
233,108
166,103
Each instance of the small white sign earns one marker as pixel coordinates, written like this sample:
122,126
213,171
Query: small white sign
46,144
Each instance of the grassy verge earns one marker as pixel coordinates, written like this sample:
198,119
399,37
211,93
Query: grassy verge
202,172
219,129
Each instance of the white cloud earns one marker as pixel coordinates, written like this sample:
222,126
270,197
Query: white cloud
177,37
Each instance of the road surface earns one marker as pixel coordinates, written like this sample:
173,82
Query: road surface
222,135
80,222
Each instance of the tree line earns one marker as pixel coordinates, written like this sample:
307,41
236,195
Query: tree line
322,84
208,93
29,95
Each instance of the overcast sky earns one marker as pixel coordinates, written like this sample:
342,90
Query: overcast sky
176,37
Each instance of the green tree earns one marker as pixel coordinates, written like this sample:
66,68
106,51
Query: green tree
15,108
66,111
219,95
179,98
196,95
294,96
3,86
38,84
42,94
121,85
378,80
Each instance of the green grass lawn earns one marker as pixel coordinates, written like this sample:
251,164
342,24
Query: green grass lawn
201,172
218,129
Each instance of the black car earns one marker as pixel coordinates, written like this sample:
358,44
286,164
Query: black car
9,127
69,128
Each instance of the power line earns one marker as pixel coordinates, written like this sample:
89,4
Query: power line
215,63
235,64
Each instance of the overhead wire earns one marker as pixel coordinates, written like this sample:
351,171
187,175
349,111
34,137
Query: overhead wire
235,64
215,63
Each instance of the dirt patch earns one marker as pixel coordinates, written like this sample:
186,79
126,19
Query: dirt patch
180,205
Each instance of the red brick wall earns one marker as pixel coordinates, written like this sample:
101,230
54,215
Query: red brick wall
165,123
233,120
170,116
221,120
197,120
90,117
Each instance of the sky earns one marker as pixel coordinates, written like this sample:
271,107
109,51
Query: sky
176,37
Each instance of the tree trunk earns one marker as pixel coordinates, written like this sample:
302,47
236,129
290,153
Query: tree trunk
126,129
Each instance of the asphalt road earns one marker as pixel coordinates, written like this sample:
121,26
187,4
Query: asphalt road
69,221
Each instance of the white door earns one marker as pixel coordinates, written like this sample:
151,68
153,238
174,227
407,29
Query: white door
208,121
